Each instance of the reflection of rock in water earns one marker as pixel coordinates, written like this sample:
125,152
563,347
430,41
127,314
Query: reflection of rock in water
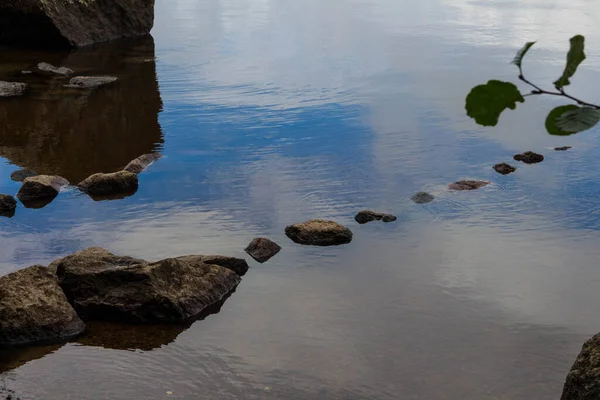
76,133
145,337
13,358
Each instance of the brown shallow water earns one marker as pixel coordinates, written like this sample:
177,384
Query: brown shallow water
271,113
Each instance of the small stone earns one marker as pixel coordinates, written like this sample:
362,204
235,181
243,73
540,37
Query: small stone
142,162
564,148
529,157
319,232
20,174
422,198
108,184
45,68
365,216
504,168
7,203
10,89
467,185
262,249
90,82
41,187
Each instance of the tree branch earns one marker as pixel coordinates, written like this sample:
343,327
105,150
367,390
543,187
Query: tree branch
538,90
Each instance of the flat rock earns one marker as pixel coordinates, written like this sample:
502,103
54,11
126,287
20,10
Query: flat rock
44,68
101,285
529,157
563,148
504,168
262,249
20,174
583,380
108,184
142,162
33,309
59,23
422,197
90,82
365,216
467,185
41,187
319,233
11,89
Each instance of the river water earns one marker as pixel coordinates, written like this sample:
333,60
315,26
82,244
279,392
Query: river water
275,112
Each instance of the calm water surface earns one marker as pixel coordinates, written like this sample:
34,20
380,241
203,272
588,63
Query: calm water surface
273,112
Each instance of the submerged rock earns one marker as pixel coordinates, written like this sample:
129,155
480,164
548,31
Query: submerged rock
365,216
108,184
90,82
583,381
11,89
422,198
44,68
7,203
101,285
262,249
142,162
33,308
504,168
467,185
58,23
319,233
40,188
20,174
563,148
529,157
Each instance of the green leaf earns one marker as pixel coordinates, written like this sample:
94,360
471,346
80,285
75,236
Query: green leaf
574,58
570,119
521,53
486,102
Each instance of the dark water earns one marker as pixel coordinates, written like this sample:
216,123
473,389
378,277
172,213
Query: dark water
274,112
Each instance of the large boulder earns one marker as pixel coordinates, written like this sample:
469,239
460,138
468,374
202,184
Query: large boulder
76,23
33,308
583,381
40,189
318,232
101,285
108,184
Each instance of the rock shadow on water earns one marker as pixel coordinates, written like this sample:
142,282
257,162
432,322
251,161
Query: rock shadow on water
76,133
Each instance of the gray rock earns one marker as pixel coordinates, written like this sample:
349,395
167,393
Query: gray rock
101,285
319,233
365,216
20,174
59,23
41,187
422,198
563,148
49,69
108,184
529,157
11,89
90,82
142,162
262,249
33,308
467,185
583,380
504,168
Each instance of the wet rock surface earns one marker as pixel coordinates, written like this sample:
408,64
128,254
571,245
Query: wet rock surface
33,308
11,89
422,197
504,168
237,265
467,185
583,380
529,157
365,216
319,232
40,188
109,184
57,23
142,162
90,82
101,285
262,249
20,174
563,148
44,68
